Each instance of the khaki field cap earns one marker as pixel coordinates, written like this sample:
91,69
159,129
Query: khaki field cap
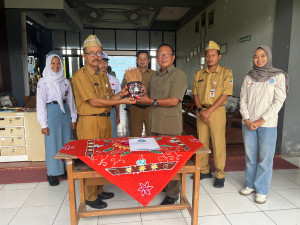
212,45
92,41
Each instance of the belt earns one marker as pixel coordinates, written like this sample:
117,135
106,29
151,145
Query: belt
141,106
55,102
206,106
102,114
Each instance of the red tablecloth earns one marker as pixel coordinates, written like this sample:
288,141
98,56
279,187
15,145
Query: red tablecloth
141,174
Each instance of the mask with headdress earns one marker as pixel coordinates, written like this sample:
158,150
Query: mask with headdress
133,78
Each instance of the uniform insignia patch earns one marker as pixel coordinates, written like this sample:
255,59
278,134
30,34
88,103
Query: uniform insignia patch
271,81
230,81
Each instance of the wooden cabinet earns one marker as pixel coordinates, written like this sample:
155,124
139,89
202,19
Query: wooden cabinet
20,137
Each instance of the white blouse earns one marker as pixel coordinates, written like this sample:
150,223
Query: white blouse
45,95
114,83
262,99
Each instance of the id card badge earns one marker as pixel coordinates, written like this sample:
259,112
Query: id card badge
212,93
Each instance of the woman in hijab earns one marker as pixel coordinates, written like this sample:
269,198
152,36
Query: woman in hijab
262,95
56,112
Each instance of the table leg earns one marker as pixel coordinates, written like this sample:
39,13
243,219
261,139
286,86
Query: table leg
82,196
196,186
183,187
72,196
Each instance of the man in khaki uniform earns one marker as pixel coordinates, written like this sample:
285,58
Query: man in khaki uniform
94,98
165,94
212,86
139,114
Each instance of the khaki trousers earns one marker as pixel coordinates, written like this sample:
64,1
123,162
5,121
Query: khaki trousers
173,188
214,130
139,116
93,127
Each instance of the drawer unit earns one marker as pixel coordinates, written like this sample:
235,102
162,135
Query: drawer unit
11,131
11,121
20,137
13,144
12,141
8,151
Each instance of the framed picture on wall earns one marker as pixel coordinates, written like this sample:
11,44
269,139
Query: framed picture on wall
223,48
203,32
202,59
202,45
191,54
197,27
211,18
203,19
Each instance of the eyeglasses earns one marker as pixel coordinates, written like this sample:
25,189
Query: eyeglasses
92,54
164,55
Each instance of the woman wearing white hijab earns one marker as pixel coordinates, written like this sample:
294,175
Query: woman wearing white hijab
262,95
56,112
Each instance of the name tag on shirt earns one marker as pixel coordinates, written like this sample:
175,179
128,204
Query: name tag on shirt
200,80
96,84
212,93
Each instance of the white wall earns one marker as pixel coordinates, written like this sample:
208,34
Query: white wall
233,19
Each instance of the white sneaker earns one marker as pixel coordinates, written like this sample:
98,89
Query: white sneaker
246,191
260,198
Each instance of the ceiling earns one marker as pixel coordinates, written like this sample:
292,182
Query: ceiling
135,14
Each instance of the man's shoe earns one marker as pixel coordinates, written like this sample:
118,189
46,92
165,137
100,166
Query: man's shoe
205,175
52,180
246,191
219,183
97,204
168,201
106,195
64,176
260,198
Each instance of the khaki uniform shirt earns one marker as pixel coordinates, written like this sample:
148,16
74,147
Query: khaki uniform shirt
146,77
172,84
262,99
89,85
209,86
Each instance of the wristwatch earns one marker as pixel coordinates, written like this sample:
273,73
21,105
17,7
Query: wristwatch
199,109
155,103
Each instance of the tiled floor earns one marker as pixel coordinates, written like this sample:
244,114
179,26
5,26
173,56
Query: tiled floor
39,204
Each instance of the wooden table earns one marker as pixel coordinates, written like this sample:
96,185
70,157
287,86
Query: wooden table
77,170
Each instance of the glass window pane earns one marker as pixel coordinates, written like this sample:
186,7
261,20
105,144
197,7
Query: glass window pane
72,39
121,63
126,39
84,34
64,62
156,39
107,38
143,40
58,39
169,38
73,65
154,64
